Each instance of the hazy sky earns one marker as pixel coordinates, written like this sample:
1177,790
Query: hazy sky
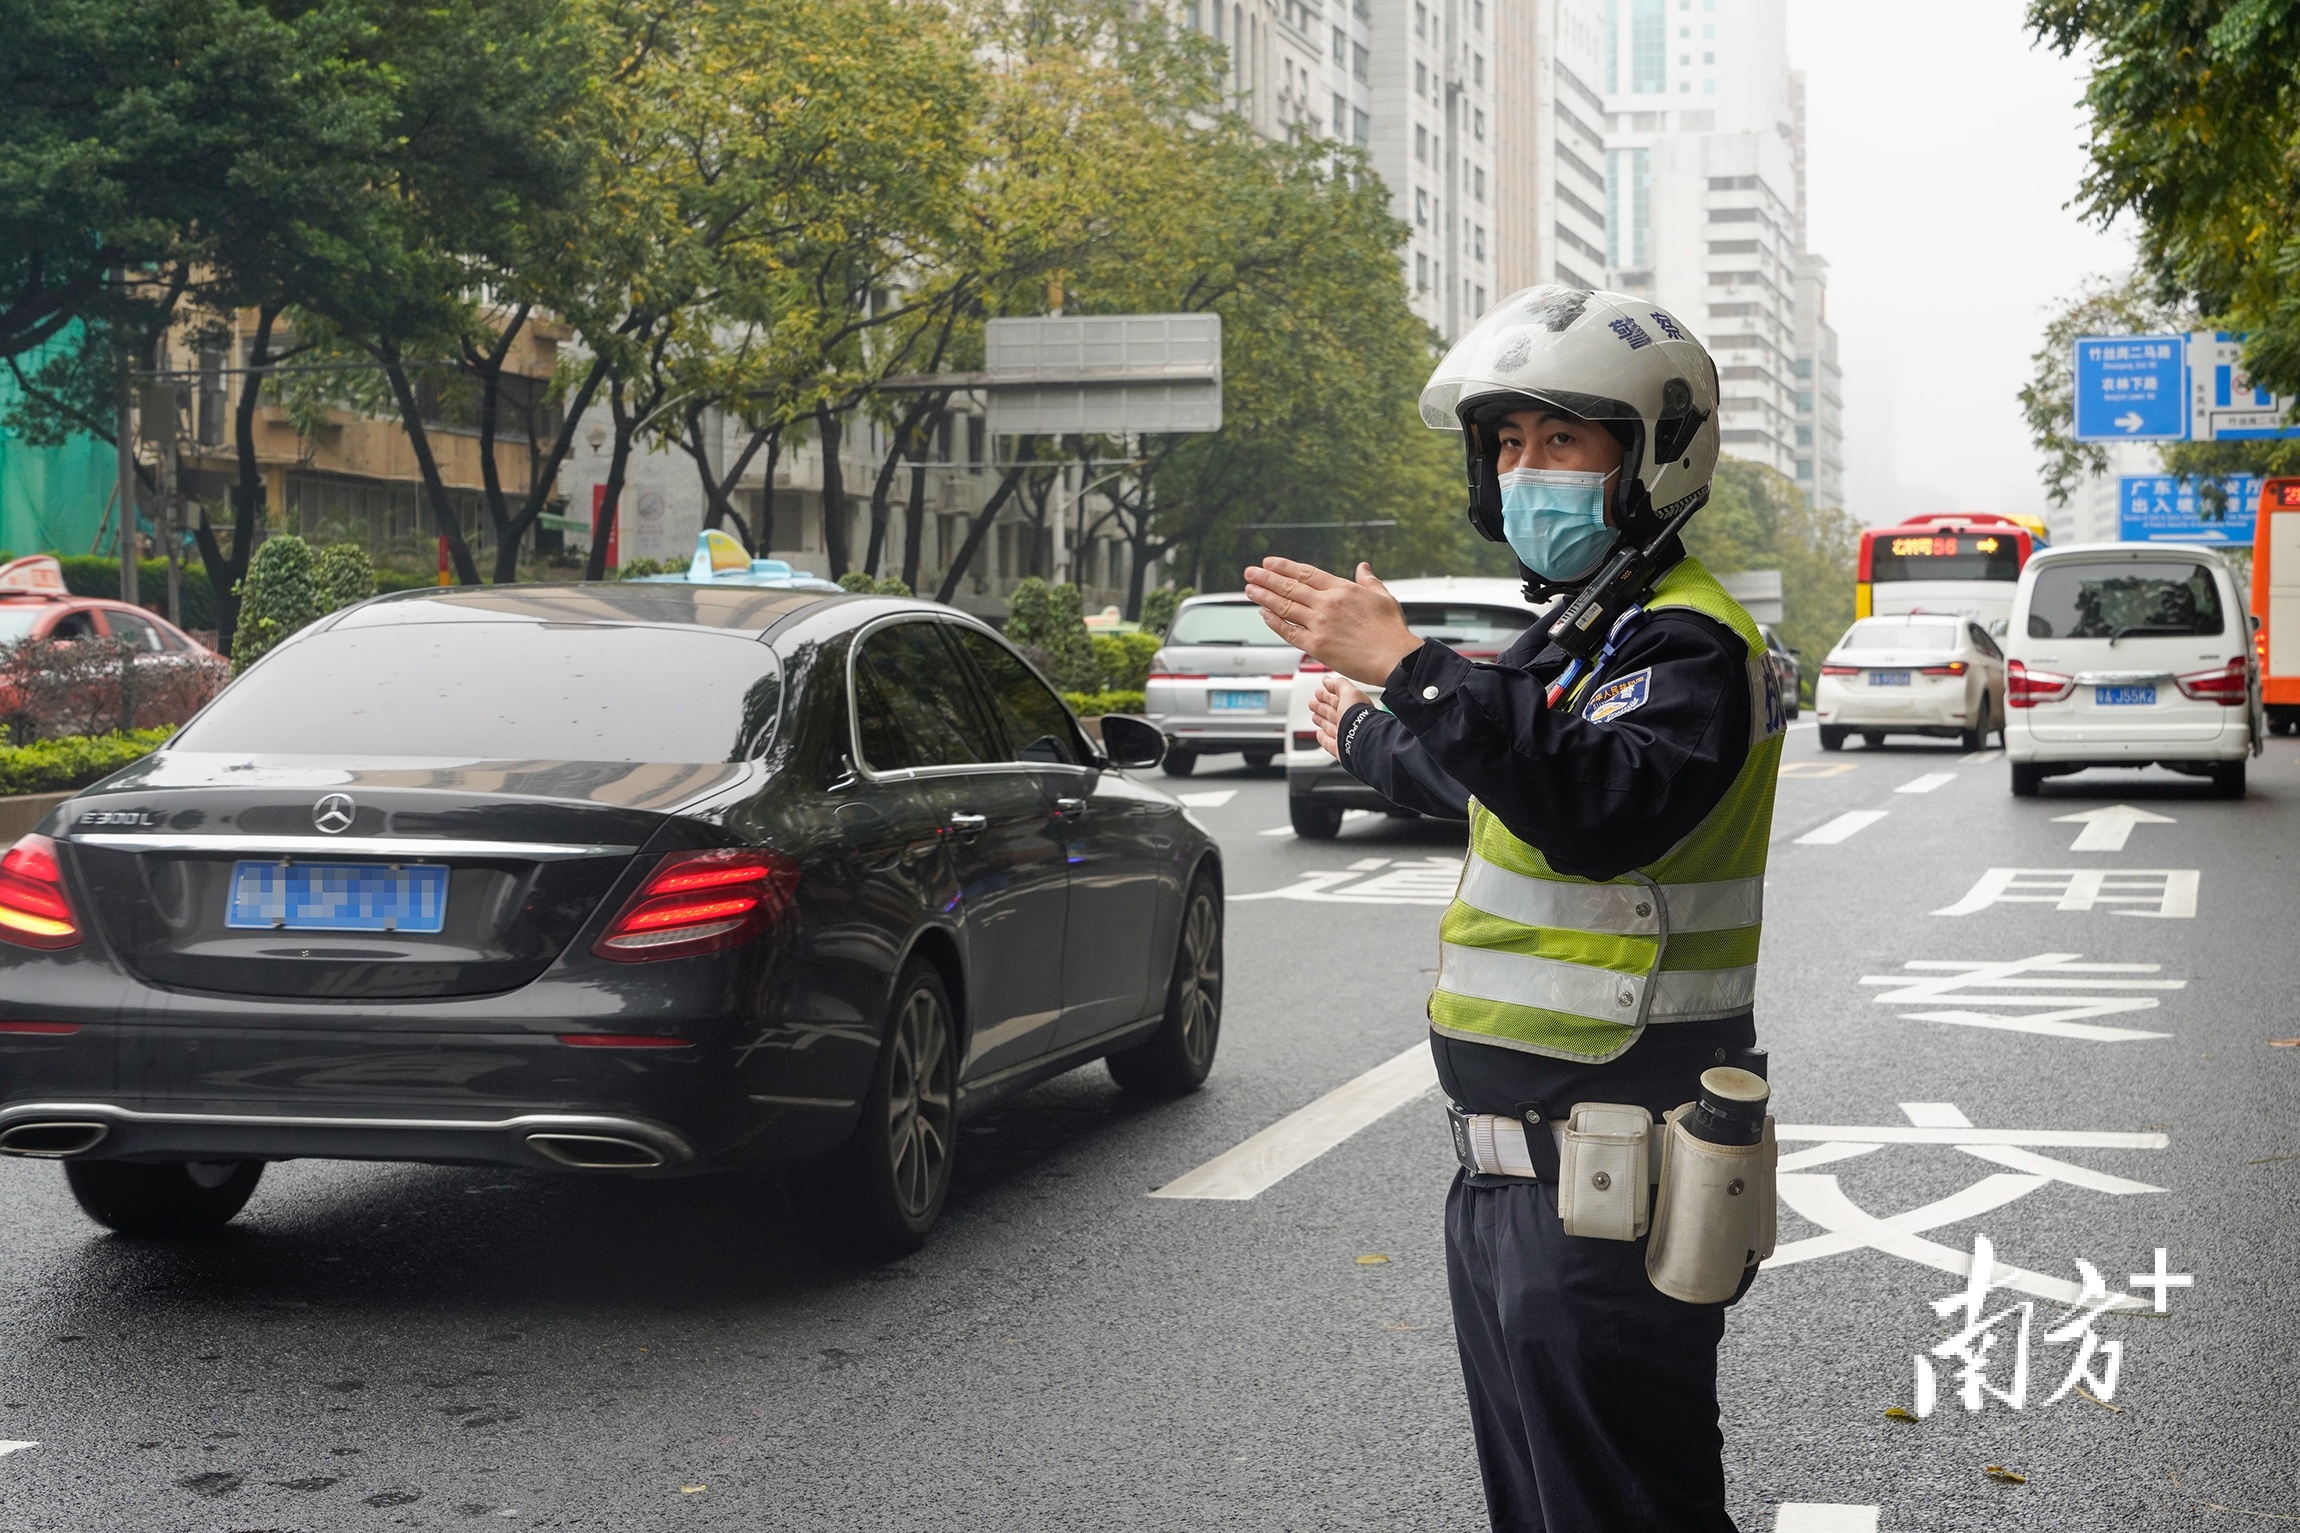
1944,149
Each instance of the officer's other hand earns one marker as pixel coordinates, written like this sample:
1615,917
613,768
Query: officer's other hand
1329,705
1355,626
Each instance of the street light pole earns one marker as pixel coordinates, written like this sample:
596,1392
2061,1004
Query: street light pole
124,444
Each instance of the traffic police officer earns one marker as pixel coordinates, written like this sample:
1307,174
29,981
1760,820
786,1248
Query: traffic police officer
1595,788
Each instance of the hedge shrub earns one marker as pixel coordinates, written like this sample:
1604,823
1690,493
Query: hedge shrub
94,575
1088,704
75,761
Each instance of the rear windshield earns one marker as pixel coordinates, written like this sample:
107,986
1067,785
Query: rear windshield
1946,556
1468,627
501,692
1223,622
1924,633
2109,601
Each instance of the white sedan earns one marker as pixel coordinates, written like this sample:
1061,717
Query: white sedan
1918,674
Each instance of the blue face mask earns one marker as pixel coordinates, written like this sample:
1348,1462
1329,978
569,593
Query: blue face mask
1555,521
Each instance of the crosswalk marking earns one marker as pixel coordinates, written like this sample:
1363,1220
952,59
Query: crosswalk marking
1824,1517
1848,824
1927,783
1252,1167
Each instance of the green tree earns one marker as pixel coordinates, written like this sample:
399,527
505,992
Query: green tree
1160,605
343,575
2195,113
1757,519
2048,400
280,595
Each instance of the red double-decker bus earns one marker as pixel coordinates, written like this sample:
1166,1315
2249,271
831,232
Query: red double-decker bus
1963,562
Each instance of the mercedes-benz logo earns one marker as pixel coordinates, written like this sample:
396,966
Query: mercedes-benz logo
333,814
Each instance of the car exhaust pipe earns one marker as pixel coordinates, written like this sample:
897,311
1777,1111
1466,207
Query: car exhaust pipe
51,1140
596,1152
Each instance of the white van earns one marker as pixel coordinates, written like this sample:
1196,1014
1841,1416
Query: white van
2123,654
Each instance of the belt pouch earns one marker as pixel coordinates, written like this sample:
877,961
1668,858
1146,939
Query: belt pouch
1714,1214
1602,1180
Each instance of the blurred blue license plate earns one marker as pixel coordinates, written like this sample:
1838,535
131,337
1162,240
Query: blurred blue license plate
2124,697
339,896
1257,701
1888,678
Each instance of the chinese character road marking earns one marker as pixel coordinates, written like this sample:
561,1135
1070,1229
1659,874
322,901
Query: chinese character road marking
2106,830
7,1448
2172,891
1430,881
1848,1227
2161,1280
1975,984
1927,783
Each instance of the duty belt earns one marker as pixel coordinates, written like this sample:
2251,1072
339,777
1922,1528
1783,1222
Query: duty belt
1496,1144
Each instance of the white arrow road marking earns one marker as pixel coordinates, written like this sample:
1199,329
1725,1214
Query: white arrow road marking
1211,800
1927,783
1824,1517
2045,971
2106,830
1277,1152
7,1448
1844,825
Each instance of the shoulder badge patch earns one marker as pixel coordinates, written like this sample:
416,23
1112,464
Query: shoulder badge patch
1615,698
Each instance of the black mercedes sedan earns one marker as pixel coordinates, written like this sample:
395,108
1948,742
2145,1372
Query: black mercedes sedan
605,878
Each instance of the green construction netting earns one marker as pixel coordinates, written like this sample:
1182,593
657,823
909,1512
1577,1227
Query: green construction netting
52,499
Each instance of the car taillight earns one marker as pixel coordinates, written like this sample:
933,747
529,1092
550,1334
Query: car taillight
1953,668
2228,686
1305,739
1283,676
1312,668
2260,644
34,910
700,902
2025,688
1840,670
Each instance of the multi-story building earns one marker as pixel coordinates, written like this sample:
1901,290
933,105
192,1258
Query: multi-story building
1549,160
1705,213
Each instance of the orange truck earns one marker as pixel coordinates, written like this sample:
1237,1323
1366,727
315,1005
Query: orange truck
2276,602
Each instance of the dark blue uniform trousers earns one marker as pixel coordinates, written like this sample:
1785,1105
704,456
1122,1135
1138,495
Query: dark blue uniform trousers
1593,1395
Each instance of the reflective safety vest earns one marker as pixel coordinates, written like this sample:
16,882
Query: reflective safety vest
1534,959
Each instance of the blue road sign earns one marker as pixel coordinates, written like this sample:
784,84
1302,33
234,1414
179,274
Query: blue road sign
2157,508
2131,388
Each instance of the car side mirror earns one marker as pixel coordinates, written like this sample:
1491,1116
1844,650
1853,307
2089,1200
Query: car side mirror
2000,628
1132,742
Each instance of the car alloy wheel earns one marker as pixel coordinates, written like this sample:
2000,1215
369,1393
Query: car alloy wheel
1175,1060
918,1104
171,1198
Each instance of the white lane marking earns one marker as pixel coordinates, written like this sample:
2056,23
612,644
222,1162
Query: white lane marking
7,1448
2106,830
1927,783
1816,768
2171,890
1279,830
1851,822
1825,1517
1210,800
1978,758
1967,982
1257,1164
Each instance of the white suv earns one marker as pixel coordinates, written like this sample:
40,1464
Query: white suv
2123,654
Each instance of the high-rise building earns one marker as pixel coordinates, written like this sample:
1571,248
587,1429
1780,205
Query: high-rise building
1549,146
1706,213
1413,83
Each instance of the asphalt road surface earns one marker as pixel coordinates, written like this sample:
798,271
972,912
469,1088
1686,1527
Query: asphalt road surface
410,1347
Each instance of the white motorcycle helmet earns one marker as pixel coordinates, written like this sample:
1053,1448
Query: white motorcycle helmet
1619,361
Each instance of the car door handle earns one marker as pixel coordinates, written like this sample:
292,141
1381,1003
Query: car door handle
969,824
1070,806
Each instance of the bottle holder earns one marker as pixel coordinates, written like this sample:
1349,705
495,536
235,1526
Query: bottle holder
1604,1170
1714,1214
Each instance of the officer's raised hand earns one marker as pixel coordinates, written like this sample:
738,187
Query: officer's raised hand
1329,705
1356,627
